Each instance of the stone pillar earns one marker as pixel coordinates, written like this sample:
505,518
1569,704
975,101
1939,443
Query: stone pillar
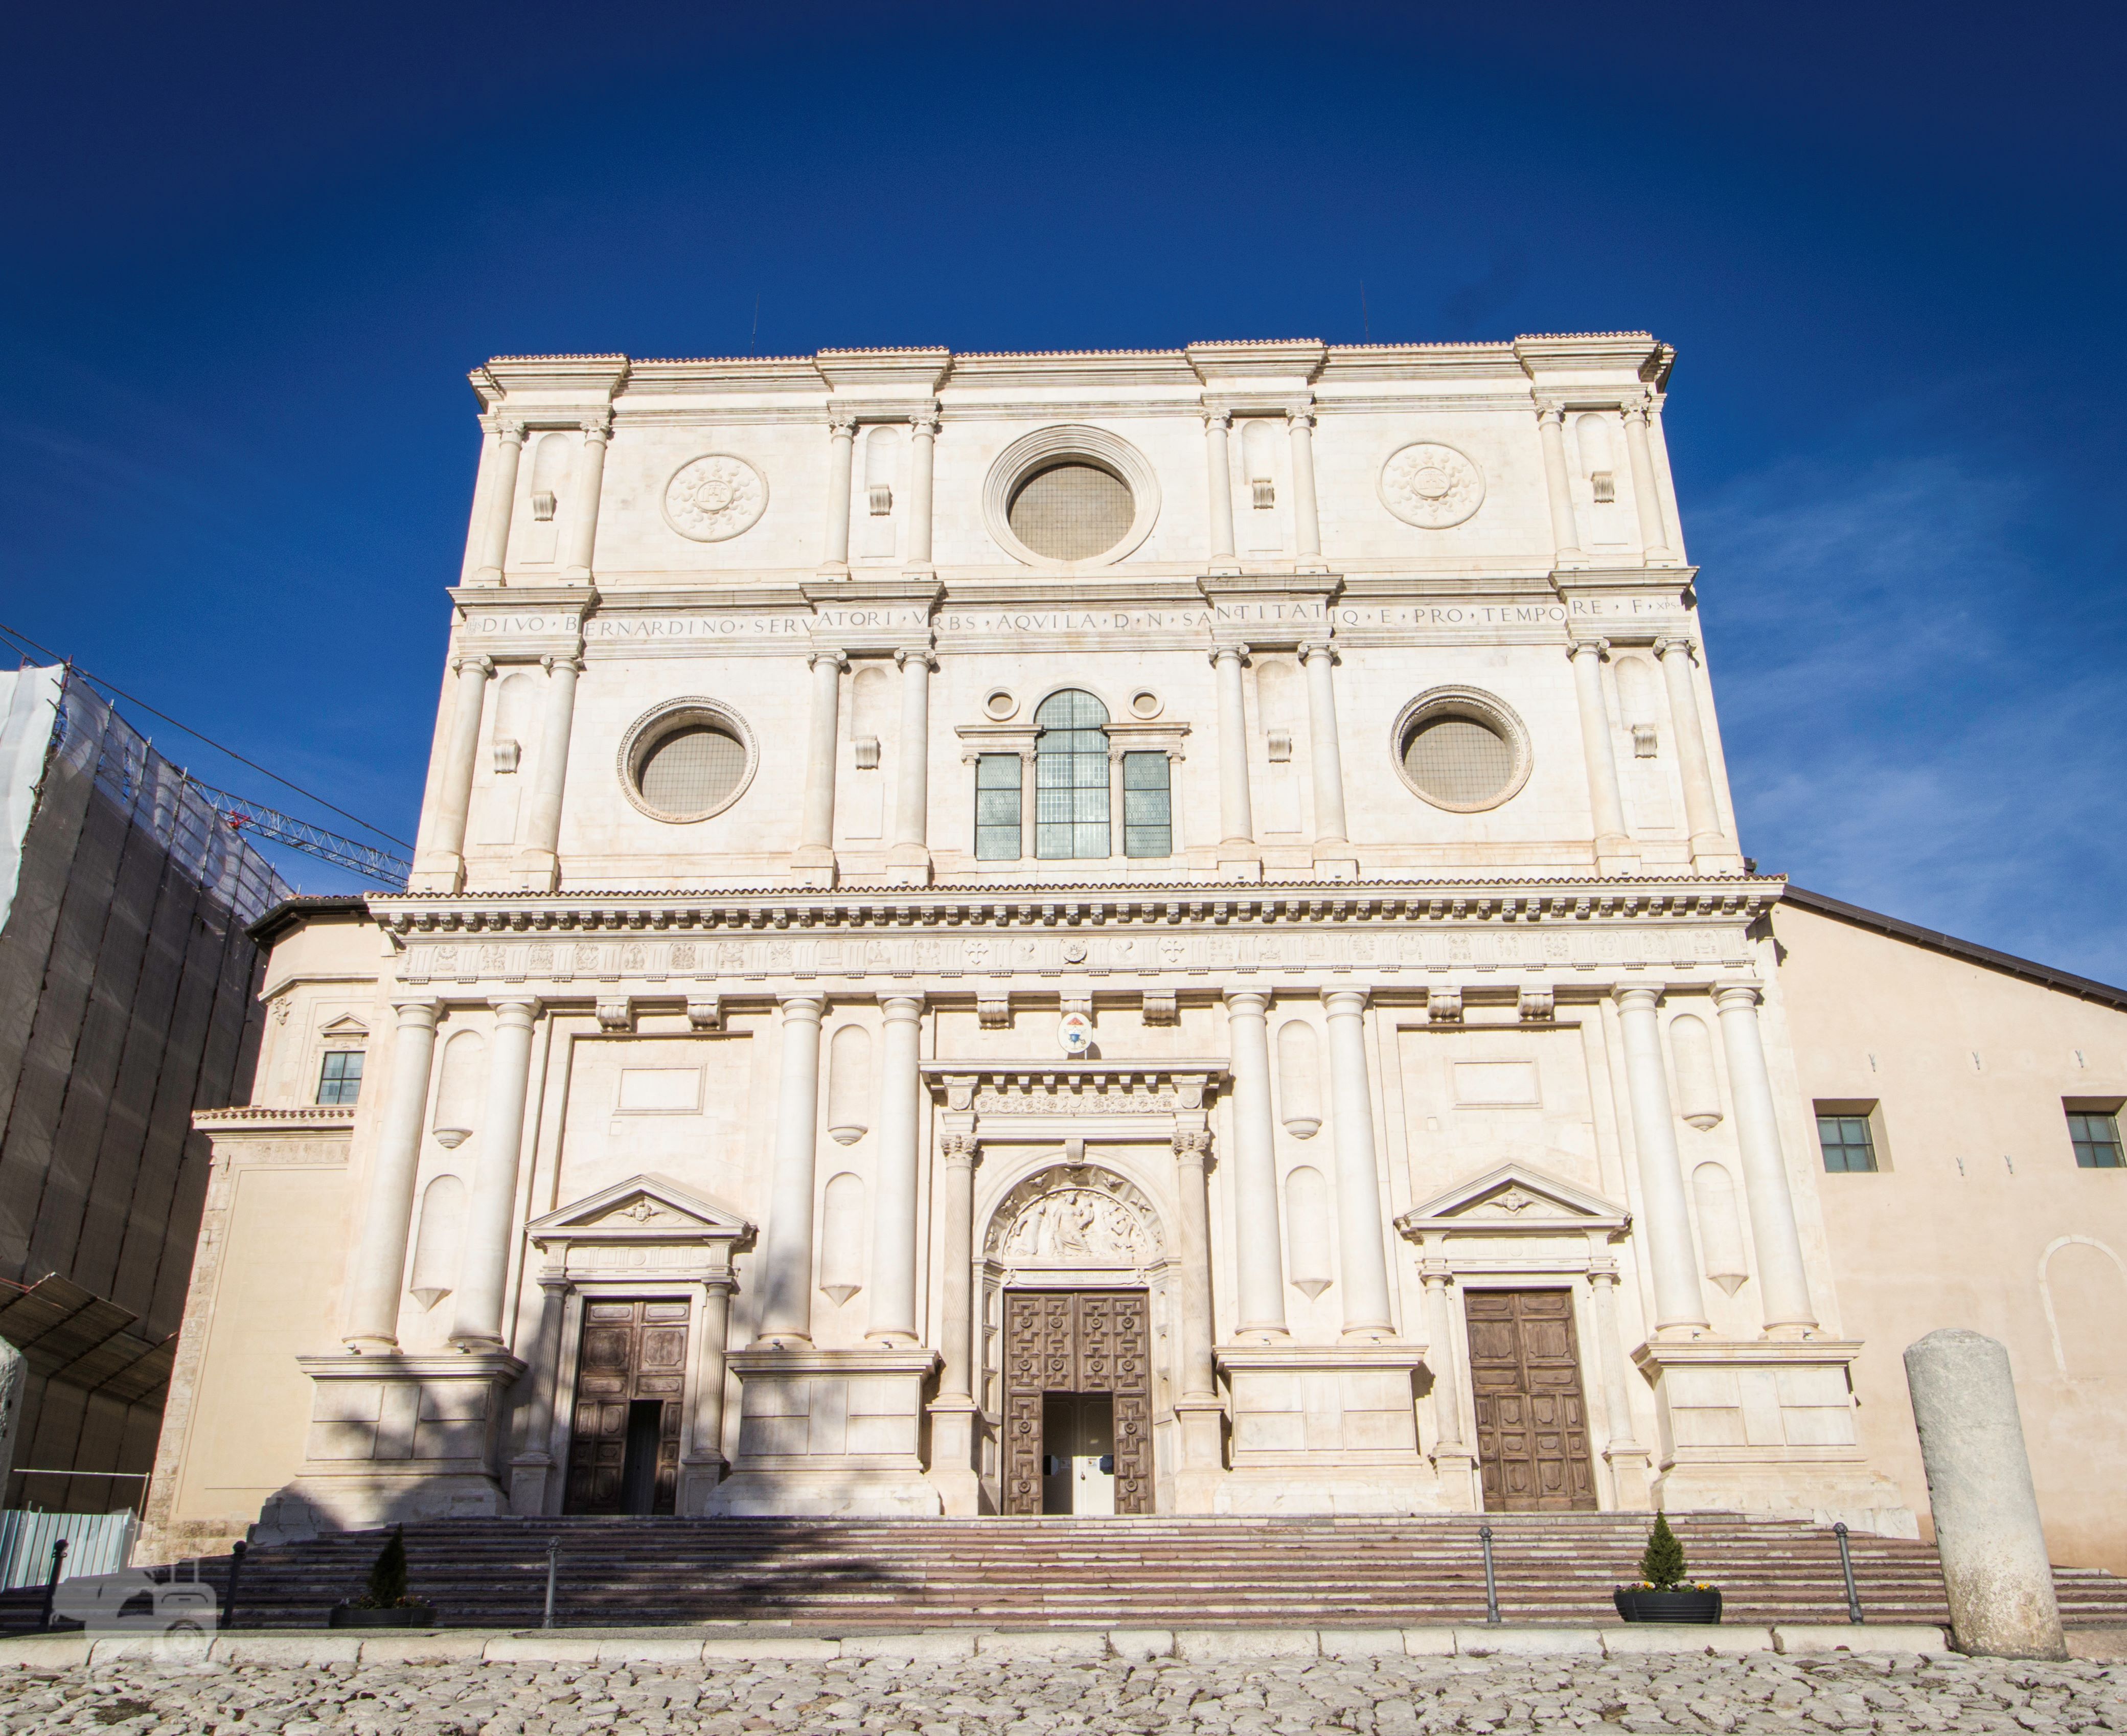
1626,1457
1219,477
1665,1217
1362,1263
1646,497
1451,1457
1783,1279
1307,515
842,433
1614,851
1193,1149
786,1249
1333,838
501,500
923,453
1987,1527
1551,427
1711,850
532,1466
1118,814
440,867
893,1203
380,1267
583,508
952,1412
491,1220
1029,800
815,841
910,859
1258,1260
704,1466
539,862
1236,827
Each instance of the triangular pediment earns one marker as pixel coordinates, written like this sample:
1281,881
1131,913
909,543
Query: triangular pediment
346,1025
1517,1193
643,1205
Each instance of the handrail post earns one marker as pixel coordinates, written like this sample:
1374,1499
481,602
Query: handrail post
1846,1567
237,1551
52,1584
553,1566
1491,1584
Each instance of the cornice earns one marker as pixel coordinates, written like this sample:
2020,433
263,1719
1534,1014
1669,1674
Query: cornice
247,1118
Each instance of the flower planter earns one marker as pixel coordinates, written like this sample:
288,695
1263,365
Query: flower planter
1695,1606
403,1615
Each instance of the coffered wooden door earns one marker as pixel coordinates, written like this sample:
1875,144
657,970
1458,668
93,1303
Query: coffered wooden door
624,1438
1076,1341
1531,1422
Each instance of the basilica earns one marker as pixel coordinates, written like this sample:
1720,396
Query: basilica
1153,932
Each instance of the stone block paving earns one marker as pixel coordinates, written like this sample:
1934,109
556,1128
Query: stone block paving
1005,1695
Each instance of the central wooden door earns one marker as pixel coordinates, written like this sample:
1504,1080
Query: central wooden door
624,1438
1531,1423
1082,1341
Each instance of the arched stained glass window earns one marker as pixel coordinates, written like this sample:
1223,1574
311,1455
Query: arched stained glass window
1071,777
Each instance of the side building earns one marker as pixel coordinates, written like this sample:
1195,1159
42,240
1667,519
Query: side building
1154,931
128,1000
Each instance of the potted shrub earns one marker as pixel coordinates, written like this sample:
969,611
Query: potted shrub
1664,1594
385,1604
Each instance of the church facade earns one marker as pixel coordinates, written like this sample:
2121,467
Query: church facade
1130,933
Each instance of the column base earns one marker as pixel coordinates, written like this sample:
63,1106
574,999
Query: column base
535,870
1337,862
908,864
1240,862
440,872
952,1471
1202,1426
1631,1467
531,1480
1460,1489
814,866
1712,854
1616,855
700,1477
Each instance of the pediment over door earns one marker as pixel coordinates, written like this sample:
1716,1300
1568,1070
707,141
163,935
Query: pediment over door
645,1223
1515,1199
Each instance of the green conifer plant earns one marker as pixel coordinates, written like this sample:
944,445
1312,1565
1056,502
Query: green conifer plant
387,1575
1661,1562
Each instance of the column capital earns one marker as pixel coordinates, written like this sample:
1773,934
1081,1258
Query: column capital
1192,1145
900,1008
510,430
1299,417
573,665
1436,1274
1238,653
473,660
924,425
1217,419
1551,412
1743,996
841,424
1345,1000
1600,647
1248,1000
417,1012
959,1149
512,1007
827,653
917,654
598,426
802,1009
1631,997
1636,408
1312,648
1676,643
1603,1273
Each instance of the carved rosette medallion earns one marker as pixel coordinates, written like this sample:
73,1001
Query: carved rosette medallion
1431,486
714,498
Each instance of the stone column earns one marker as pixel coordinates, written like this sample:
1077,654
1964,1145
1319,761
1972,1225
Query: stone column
956,1209
440,867
910,859
1615,851
501,500
1219,477
539,862
893,1203
380,1267
1236,822
1258,1260
532,1466
1665,1217
705,1452
1980,1494
1451,1457
1550,427
492,1220
1712,850
815,841
1030,799
1118,816
1646,498
1362,1263
584,507
1624,1455
1193,1149
786,1249
842,433
923,451
1333,838
1783,1279
1307,515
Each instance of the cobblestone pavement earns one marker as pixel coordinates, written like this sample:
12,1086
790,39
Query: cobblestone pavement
997,1697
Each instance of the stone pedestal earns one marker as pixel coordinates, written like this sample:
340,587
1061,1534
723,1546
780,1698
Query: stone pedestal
953,1472
1761,1426
1201,1424
394,1438
1324,1428
831,1432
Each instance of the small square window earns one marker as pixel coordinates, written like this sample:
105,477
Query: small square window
1849,1148
2096,1136
340,1079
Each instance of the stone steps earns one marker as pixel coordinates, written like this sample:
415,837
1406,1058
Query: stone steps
853,1574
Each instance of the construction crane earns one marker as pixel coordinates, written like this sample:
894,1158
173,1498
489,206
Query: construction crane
244,814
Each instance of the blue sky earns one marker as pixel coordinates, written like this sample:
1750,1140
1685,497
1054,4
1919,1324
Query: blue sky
249,254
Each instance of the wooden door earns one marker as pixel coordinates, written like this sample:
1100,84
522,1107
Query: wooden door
1076,1341
1531,1422
633,1353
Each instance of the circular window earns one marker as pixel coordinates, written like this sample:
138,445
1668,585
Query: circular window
999,704
1144,703
1069,496
1460,749
687,760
